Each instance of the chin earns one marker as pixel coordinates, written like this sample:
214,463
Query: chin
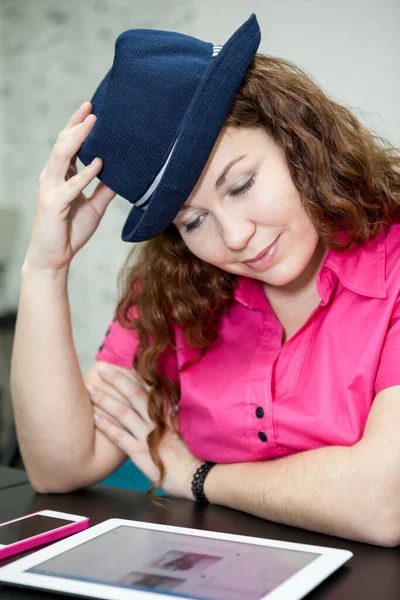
279,277
282,275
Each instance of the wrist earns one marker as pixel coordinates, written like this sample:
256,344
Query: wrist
30,270
199,479
211,484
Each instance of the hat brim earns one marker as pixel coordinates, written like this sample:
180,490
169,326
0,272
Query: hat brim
198,133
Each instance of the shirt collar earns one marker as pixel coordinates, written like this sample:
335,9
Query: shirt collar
250,293
361,269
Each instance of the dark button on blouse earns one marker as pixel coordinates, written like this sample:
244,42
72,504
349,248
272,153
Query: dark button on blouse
259,412
262,436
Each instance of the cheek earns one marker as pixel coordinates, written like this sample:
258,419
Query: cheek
297,251
270,210
212,251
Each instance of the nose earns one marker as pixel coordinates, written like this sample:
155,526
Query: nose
237,232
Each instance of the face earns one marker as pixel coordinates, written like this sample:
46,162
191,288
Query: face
233,216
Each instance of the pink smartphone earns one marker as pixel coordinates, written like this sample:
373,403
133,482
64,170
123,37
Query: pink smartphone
36,529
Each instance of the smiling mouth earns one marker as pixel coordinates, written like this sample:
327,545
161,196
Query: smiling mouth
261,254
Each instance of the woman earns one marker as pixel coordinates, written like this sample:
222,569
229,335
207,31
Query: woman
263,302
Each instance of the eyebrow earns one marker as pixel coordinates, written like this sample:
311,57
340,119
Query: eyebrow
221,179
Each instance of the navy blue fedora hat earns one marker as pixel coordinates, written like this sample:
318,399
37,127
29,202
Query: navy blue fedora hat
160,109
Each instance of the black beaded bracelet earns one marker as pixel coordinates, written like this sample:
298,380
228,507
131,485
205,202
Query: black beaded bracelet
198,481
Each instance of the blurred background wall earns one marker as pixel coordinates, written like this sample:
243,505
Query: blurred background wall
55,52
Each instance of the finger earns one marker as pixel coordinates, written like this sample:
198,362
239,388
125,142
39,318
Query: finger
67,145
43,174
79,115
74,186
92,390
72,169
72,164
101,198
98,411
107,368
121,438
128,387
103,388
122,413
132,375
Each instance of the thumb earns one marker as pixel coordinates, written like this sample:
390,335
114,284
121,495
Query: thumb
101,198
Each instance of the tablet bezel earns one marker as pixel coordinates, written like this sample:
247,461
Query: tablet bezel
294,588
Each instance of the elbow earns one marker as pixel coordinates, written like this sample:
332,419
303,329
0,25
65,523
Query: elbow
51,485
52,488
387,538
62,478
384,525
389,534
376,506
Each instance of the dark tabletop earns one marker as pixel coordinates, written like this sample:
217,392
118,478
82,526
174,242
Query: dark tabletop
372,574
11,477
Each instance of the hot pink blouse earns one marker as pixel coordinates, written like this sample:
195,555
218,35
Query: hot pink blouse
253,398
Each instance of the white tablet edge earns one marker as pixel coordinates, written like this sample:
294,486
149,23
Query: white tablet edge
294,588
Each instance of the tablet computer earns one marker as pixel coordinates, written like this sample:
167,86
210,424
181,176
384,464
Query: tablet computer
121,559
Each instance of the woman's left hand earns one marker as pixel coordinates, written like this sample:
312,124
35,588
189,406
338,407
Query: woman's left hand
120,411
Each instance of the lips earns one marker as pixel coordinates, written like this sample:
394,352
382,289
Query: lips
256,258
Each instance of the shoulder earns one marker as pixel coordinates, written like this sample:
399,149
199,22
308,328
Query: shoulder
392,244
393,235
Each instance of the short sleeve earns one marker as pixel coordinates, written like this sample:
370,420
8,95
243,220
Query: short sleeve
389,365
119,345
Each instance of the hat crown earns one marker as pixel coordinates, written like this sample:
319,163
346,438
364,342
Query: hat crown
145,95
160,70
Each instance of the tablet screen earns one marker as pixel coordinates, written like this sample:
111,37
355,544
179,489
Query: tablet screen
177,565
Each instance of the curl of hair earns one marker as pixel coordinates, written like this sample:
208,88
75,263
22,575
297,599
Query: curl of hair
348,179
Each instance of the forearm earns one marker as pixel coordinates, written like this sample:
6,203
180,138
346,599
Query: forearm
328,490
53,413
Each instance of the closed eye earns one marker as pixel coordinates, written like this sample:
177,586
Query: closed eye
243,189
188,227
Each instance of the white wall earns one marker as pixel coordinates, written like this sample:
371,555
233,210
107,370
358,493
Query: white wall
54,52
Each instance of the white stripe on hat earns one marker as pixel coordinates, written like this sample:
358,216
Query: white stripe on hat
145,199
216,50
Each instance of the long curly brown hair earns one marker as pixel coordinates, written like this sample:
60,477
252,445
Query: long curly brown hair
348,179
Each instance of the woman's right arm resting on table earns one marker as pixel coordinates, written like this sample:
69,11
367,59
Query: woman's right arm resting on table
60,446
